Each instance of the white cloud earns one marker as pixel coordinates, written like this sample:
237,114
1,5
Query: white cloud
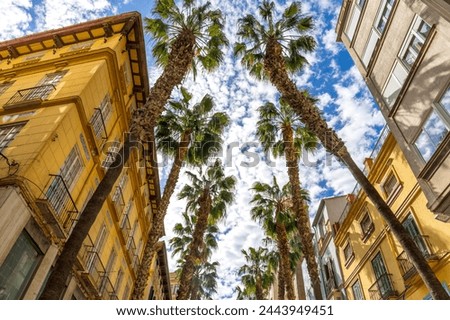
15,18
51,14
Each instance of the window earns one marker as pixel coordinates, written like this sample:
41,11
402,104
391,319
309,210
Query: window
367,226
117,197
56,192
45,86
413,230
126,214
384,15
98,246
370,46
444,102
394,83
357,291
101,115
118,280
390,184
383,280
414,42
18,267
348,252
354,17
82,46
8,132
435,128
377,30
85,148
111,154
5,86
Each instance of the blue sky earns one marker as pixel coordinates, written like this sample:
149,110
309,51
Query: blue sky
331,77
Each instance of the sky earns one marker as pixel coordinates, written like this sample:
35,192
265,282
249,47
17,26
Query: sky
330,76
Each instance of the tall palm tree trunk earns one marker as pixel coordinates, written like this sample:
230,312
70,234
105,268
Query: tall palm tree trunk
281,282
157,228
300,281
180,57
310,116
194,254
299,209
56,283
258,286
283,248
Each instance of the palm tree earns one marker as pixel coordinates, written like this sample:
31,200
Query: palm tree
188,135
273,50
183,37
279,129
271,207
207,196
204,283
257,274
246,293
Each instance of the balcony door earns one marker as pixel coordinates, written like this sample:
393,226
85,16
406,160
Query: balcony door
383,281
411,226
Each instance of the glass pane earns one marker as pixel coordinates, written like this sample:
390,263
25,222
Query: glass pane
424,29
18,267
431,136
445,101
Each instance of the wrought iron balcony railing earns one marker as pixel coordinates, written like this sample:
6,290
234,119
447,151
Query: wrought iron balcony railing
383,288
60,199
406,267
95,272
34,94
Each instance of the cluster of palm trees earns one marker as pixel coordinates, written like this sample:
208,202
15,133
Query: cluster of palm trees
185,37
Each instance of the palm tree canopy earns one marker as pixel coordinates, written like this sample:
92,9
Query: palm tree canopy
273,120
270,202
258,264
200,23
183,236
219,186
290,31
203,126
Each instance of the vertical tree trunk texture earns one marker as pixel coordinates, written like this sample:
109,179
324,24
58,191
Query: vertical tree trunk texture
283,248
259,287
180,59
157,228
194,255
302,216
300,281
281,282
310,116
56,284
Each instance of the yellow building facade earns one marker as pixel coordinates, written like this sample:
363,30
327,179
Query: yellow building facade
65,101
373,264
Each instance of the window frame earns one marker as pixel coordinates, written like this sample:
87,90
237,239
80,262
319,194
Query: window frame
361,291
440,111
380,15
14,129
348,258
413,32
367,230
396,188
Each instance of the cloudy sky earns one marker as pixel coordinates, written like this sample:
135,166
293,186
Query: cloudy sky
331,77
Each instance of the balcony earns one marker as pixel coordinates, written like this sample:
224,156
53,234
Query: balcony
407,269
30,96
58,208
383,288
93,274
